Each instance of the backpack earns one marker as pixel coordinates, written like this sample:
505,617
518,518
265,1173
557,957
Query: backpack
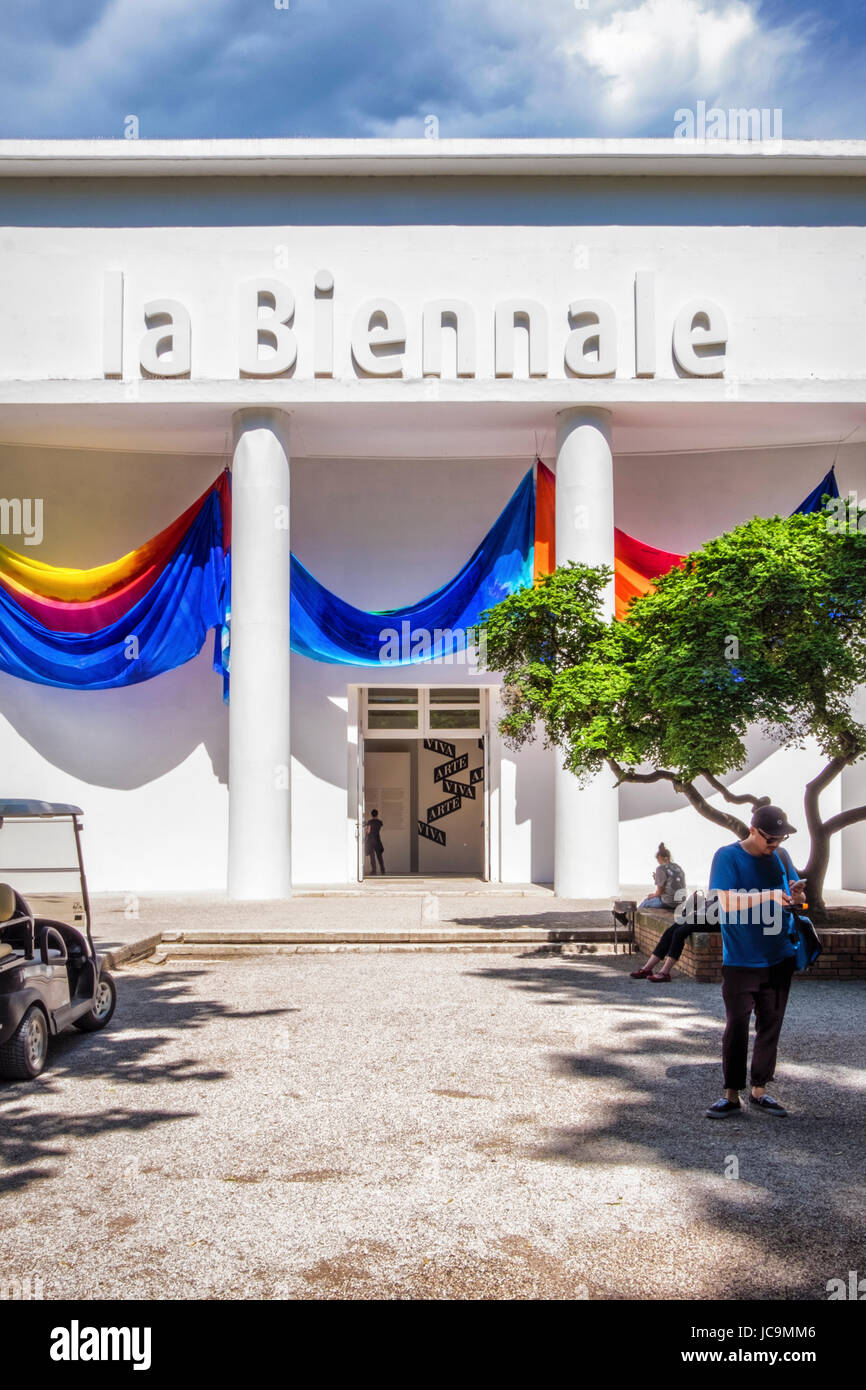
802,933
674,882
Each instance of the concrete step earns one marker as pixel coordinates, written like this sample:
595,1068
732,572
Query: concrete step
408,891
227,944
220,951
430,935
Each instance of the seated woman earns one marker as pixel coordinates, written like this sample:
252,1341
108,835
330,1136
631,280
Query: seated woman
669,879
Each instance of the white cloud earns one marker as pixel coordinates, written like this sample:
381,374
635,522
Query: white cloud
484,67
662,52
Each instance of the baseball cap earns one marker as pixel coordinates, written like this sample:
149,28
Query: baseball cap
773,821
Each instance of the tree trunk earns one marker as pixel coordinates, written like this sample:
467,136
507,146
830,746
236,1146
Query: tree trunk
816,869
819,834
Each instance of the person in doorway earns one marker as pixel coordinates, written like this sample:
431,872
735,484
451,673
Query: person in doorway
373,848
756,885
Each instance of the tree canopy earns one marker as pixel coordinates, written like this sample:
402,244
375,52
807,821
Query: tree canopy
763,626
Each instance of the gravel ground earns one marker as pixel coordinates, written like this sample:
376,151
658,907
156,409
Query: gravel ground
431,1126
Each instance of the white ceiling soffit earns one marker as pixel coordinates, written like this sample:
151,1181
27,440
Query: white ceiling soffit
432,431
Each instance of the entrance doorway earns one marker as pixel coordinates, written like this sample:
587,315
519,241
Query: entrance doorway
423,769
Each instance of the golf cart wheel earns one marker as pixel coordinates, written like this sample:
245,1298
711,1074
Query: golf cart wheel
23,1056
103,1006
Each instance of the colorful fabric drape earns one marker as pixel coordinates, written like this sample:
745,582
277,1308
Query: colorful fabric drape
637,564
827,487
124,622
327,628
130,620
544,555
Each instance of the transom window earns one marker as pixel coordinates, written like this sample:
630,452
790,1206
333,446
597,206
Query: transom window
422,712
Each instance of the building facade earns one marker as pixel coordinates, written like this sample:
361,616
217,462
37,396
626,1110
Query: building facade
379,337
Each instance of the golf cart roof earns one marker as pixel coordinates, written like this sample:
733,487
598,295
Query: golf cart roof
38,808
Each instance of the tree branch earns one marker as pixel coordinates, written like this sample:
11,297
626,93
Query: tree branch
825,777
686,789
623,776
740,800
844,819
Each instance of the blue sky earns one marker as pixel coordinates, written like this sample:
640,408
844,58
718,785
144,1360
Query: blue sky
199,68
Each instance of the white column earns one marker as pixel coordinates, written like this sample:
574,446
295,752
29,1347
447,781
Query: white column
586,845
259,860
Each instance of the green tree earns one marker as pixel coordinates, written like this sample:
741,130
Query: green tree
764,626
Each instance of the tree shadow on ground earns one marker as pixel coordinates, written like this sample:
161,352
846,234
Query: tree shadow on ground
156,1007
797,1205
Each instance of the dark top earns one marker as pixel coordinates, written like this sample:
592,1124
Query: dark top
374,839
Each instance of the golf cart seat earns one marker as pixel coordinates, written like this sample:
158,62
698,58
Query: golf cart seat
20,936
8,906
16,921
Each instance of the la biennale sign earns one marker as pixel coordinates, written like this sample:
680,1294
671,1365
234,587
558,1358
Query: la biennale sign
268,328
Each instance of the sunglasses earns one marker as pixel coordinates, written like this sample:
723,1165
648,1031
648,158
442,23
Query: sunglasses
771,839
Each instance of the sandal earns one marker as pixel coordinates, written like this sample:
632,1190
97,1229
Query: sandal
662,979
642,974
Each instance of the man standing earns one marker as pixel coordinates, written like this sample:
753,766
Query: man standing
373,848
756,885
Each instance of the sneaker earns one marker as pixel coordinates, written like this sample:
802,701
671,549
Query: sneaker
767,1103
722,1108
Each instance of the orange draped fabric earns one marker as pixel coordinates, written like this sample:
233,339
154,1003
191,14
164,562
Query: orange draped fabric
545,522
636,564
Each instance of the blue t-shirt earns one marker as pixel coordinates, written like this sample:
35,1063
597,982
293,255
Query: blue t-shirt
747,940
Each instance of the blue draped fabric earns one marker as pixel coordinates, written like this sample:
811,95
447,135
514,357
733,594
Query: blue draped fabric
169,624
326,628
827,487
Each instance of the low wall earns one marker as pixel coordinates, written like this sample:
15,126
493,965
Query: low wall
843,957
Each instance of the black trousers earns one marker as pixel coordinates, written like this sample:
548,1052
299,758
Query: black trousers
764,992
672,941
373,853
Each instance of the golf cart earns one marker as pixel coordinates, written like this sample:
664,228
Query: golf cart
50,974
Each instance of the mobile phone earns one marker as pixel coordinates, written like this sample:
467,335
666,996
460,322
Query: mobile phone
797,882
